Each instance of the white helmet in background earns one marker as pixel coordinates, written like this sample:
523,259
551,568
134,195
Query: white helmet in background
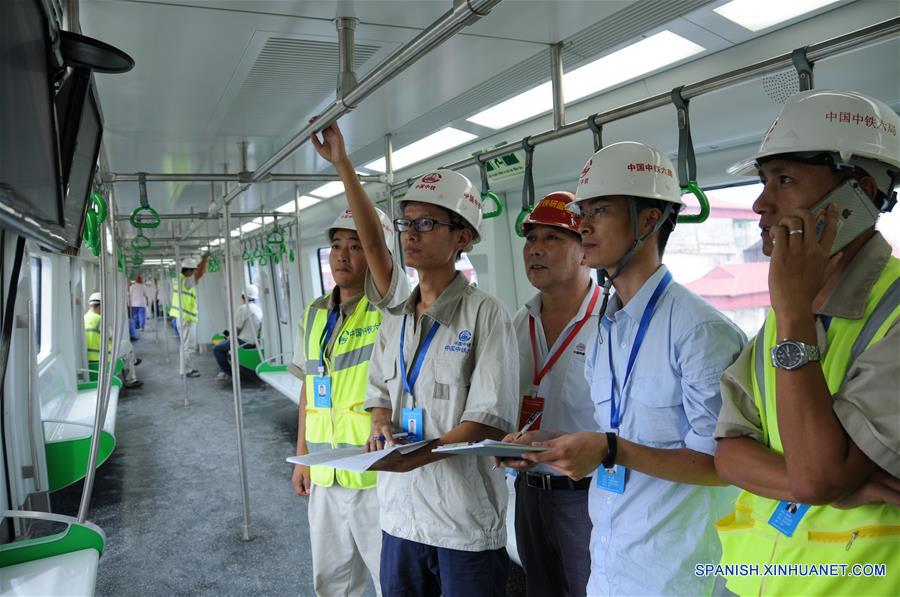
94,299
190,263
628,168
452,191
345,222
251,292
857,130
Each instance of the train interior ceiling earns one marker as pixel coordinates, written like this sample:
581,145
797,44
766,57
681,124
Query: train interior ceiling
218,94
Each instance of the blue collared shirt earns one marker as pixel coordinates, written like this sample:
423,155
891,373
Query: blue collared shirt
648,540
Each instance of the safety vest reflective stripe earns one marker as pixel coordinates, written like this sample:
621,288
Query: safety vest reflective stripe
345,423
867,534
188,309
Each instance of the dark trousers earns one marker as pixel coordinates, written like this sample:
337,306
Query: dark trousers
139,317
410,569
220,352
553,534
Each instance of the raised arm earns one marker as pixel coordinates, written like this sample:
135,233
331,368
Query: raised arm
368,226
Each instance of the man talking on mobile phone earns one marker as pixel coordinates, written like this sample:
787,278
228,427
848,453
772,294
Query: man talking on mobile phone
810,421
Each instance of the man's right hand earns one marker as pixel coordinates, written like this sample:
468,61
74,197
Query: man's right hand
331,147
382,430
300,480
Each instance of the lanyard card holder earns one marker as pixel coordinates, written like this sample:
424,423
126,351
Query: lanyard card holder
787,516
611,479
413,424
322,387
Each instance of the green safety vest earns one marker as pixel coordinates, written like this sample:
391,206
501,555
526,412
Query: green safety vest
346,423
92,335
190,302
869,534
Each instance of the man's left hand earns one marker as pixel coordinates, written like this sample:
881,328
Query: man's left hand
575,455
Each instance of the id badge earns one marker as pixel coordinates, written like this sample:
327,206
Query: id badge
413,424
611,479
322,391
787,516
531,405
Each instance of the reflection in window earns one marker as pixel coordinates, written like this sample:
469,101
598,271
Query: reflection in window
721,259
37,283
326,280
462,265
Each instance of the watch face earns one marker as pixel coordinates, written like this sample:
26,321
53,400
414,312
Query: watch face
789,355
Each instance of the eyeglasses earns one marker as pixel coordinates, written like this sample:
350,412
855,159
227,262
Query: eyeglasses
420,224
589,213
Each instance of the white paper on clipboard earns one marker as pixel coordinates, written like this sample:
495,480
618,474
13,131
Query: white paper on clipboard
488,447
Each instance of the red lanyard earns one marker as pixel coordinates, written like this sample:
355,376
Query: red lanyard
539,375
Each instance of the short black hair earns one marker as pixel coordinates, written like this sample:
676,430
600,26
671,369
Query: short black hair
662,239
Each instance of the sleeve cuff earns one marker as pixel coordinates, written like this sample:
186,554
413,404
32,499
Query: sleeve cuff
488,419
375,299
727,430
866,438
699,443
376,403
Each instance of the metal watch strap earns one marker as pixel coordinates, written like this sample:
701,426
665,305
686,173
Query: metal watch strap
612,443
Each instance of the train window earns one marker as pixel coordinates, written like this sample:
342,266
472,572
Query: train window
463,264
721,260
326,280
40,286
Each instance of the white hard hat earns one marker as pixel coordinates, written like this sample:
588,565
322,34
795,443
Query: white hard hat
628,168
251,292
345,222
190,262
857,129
94,299
452,191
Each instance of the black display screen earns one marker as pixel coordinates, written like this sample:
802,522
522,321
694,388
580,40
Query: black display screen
30,181
84,164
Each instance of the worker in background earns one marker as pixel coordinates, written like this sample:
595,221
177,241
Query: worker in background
184,310
247,319
653,369
93,338
137,302
337,334
553,527
444,369
151,292
809,425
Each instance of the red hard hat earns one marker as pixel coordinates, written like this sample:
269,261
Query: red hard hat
551,211
138,279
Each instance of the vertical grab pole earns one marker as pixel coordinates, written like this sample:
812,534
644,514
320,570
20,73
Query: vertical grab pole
297,245
102,367
235,371
389,184
556,83
118,329
180,323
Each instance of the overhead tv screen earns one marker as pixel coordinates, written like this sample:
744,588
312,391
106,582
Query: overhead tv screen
30,181
84,164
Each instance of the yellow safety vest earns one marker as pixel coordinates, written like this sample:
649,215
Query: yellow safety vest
868,535
190,302
92,336
345,424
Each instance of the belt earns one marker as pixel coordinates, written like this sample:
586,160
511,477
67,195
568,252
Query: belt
546,481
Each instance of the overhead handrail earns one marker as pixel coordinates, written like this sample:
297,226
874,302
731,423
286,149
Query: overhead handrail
687,161
488,195
527,187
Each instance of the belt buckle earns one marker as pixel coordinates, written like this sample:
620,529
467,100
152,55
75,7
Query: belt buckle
538,481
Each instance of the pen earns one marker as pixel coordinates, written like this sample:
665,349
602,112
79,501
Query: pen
394,436
534,417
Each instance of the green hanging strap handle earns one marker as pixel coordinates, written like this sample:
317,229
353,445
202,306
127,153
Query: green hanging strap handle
488,195
137,258
527,187
121,260
291,255
144,216
276,237
141,242
96,214
246,255
687,161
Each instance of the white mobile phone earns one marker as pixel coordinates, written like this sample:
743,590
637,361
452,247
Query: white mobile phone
856,213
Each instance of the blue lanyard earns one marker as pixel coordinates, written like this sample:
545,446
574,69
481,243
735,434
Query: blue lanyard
615,410
326,336
410,382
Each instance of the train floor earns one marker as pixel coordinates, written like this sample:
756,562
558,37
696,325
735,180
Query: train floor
169,499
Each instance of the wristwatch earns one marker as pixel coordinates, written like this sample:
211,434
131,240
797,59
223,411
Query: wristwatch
793,354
